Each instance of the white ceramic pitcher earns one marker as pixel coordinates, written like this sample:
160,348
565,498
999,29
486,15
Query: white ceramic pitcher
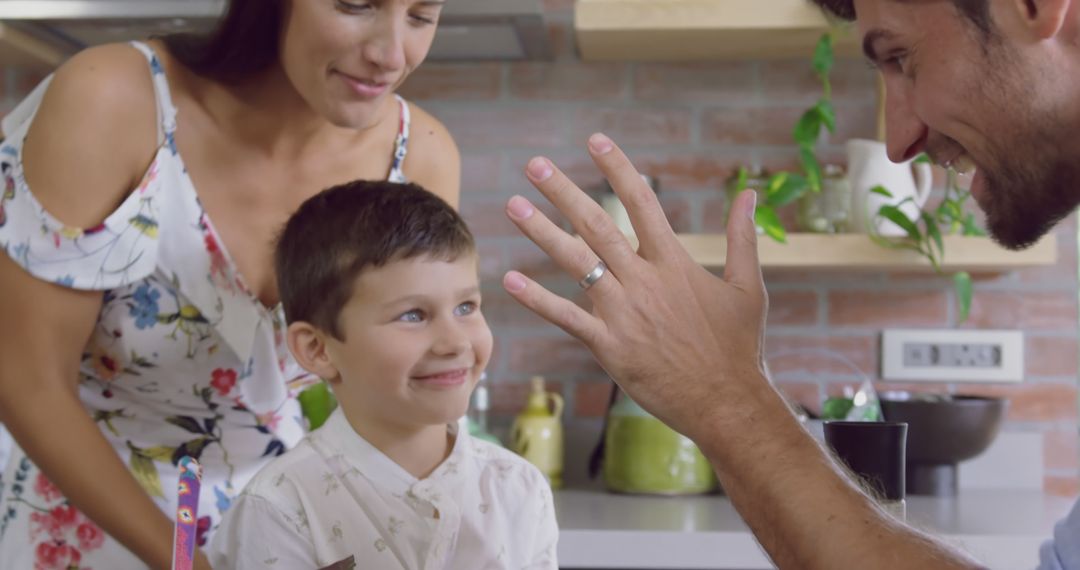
869,166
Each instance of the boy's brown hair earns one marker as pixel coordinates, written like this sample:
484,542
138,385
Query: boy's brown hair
338,233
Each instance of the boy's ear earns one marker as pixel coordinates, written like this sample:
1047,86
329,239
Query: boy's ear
308,346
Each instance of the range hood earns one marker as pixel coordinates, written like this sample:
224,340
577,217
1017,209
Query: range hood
44,32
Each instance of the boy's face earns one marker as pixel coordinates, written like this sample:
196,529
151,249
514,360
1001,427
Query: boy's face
415,342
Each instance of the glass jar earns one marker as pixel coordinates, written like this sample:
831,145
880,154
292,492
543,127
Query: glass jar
827,211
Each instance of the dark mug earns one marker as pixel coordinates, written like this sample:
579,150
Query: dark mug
873,451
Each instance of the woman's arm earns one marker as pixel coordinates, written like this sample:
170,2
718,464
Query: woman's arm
93,136
434,161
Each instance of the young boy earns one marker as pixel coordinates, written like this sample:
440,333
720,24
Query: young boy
379,284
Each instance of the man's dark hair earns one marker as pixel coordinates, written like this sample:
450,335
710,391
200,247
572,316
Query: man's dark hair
978,11
343,230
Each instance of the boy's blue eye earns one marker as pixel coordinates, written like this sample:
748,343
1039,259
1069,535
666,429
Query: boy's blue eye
466,308
413,316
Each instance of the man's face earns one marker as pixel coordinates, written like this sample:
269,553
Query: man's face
987,102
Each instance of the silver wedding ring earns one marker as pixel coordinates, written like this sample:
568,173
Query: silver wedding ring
593,276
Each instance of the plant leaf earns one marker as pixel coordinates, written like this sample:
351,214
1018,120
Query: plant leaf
923,158
741,179
808,127
146,474
793,187
827,114
812,167
971,228
775,181
765,217
823,56
881,191
896,216
934,232
963,287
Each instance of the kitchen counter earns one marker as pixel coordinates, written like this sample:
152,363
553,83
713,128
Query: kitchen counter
601,530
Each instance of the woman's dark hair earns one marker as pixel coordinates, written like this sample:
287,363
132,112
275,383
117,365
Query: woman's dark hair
246,40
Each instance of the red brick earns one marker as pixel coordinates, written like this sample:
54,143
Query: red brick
567,80
1062,486
691,171
793,308
634,126
678,211
885,308
495,126
529,259
509,397
551,355
1033,402
1064,271
790,355
487,217
1061,449
1026,310
712,83
481,172
1051,356
591,399
773,125
556,6
492,265
454,81
795,80
503,311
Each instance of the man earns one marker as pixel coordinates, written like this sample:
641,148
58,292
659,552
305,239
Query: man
993,84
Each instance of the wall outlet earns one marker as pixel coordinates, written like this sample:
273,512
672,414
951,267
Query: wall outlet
952,355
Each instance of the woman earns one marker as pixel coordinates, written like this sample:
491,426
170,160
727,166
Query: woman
143,185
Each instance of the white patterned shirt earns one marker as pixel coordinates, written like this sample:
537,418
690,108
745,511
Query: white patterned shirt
337,501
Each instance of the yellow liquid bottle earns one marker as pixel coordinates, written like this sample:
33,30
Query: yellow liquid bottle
537,433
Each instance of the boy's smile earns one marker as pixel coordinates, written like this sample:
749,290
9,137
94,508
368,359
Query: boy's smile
414,343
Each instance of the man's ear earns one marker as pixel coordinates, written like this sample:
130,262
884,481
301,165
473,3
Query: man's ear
1041,19
308,346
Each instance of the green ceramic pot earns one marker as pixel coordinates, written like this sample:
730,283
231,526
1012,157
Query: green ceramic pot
644,456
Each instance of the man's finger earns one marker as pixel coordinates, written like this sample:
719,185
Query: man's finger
590,221
742,267
651,226
572,254
563,313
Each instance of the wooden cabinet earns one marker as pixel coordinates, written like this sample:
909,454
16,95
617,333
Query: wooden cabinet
696,30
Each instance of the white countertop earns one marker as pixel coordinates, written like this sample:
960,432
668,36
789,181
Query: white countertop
1002,528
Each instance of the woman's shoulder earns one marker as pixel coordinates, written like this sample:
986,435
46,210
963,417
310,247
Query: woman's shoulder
93,133
434,160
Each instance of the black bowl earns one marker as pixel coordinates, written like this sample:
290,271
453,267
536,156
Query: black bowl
943,431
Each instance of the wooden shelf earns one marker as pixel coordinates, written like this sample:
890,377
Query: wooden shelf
857,252
695,30
20,49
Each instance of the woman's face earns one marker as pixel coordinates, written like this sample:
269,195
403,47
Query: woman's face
346,57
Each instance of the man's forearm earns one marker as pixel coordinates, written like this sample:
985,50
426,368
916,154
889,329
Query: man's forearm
804,511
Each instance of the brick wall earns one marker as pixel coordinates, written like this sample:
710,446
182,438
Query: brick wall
690,125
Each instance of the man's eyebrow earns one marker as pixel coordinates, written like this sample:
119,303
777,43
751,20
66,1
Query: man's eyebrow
869,44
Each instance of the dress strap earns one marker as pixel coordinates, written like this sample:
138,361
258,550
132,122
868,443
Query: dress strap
401,144
166,109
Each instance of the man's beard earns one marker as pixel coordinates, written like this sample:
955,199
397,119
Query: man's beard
1026,197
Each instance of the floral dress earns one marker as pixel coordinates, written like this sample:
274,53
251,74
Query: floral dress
183,360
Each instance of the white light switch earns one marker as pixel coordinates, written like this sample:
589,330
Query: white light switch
952,355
